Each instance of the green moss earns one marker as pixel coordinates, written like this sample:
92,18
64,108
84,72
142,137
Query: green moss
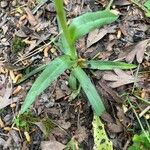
25,122
48,124
17,44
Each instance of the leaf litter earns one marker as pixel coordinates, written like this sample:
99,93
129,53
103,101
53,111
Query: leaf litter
138,52
119,78
37,27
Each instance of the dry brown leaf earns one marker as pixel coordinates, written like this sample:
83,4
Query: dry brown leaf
52,145
119,78
122,118
15,136
115,128
32,20
122,2
97,34
81,134
2,141
5,99
138,52
41,126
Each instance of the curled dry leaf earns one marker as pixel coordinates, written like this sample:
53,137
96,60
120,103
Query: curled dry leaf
119,78
32,20
97,34
115,128
138,52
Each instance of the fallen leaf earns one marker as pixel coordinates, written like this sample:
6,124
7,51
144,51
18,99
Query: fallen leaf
64,124
107,117
113,94
115,128
119,78
52,145
122,2
16,139
2,141
122,118
5,99
81,134
59,94
101,140
138,52
41,126
32,20
97,34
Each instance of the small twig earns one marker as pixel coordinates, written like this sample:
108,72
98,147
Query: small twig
109,5
144,111
36,51
136,76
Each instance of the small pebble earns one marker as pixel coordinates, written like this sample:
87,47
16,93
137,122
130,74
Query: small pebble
3,4
14,3
139,36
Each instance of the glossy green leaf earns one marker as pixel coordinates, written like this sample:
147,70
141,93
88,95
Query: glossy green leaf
108,65
88,22
51,73
147,4
101,140
89,90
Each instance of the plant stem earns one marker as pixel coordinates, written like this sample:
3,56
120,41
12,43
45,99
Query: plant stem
61,16
144,100
109,5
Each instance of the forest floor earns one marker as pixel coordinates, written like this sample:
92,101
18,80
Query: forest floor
26,36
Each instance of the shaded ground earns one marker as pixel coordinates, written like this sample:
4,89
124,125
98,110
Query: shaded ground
26,43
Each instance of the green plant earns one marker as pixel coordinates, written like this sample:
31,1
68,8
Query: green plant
17,44
101,140
140,142
73,145
25,122
79,27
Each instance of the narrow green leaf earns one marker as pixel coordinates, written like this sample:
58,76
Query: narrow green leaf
88,22
72,81
101,140
108,65
51,73
89,90
35,71
61,16
147,4
63,27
